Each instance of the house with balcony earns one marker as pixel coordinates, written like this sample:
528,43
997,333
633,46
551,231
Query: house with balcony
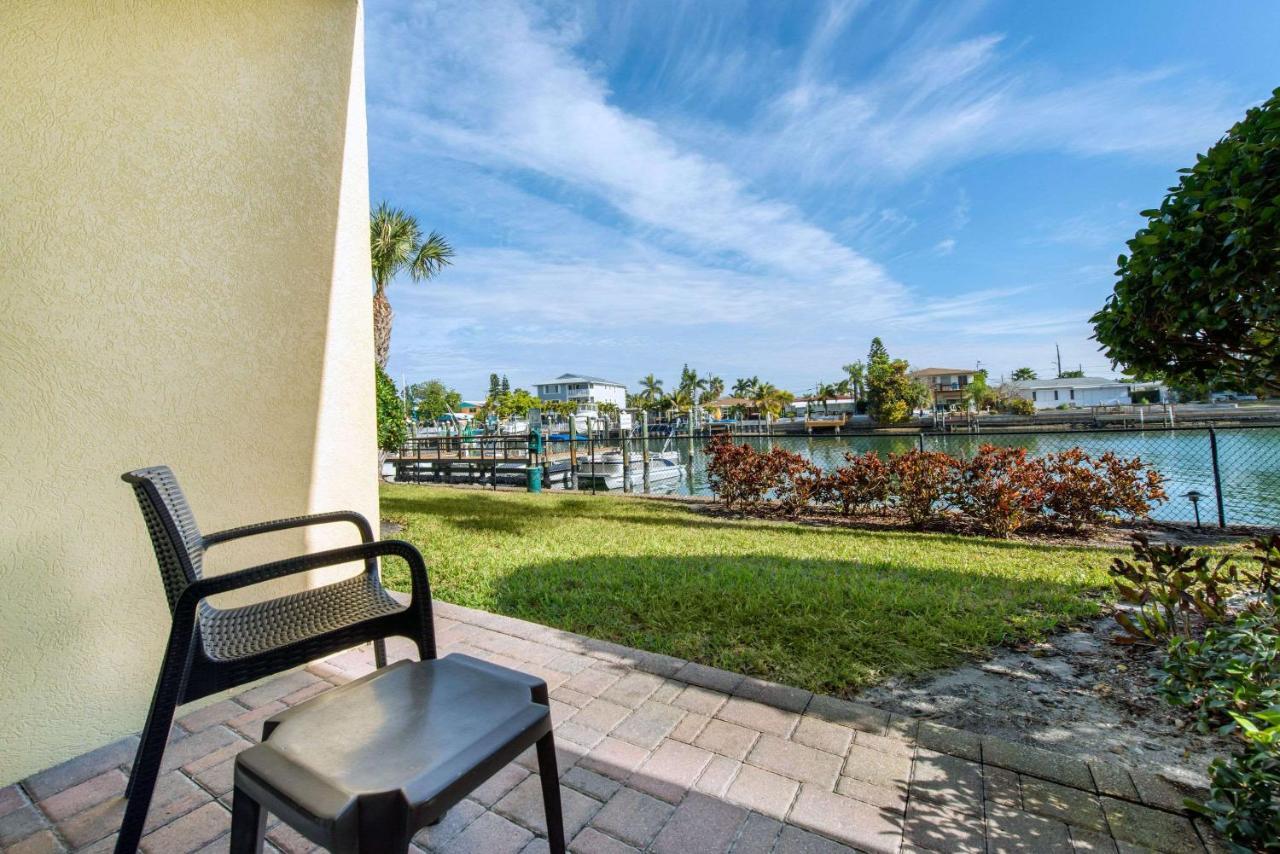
586,391
946,385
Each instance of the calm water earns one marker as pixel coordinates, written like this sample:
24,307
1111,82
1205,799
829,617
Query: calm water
1249,462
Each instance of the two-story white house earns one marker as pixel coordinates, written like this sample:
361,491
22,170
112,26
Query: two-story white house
583,390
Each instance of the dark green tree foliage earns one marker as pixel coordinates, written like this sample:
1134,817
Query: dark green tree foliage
878,353
1198,296
392,430
890,391
432,399
495,385
506,385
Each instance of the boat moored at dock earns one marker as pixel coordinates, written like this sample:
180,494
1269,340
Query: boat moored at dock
607,469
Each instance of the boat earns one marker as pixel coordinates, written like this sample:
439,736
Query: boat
607,472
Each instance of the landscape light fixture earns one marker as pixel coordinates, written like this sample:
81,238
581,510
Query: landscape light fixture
1195,496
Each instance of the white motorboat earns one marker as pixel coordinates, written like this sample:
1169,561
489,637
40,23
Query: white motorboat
607,469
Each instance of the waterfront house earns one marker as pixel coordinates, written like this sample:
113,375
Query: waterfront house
583,390
730,407
1083,391
946,385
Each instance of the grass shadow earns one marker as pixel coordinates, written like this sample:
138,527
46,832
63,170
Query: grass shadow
830,626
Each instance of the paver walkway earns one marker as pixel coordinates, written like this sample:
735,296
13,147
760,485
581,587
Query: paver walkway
656,754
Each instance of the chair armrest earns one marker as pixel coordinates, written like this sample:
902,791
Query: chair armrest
205,587
366,531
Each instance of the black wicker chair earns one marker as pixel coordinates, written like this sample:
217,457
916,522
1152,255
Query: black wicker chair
213,649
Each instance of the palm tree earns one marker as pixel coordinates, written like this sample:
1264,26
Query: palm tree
825,392
395,243
771,400
696,383
857,372
746,386
650,390
714,390
1024,374
561,409
680,400
610,412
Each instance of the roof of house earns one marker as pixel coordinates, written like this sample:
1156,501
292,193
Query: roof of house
1070,382
723,402
938,372
580,378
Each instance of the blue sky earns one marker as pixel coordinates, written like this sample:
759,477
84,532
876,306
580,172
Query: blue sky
758,188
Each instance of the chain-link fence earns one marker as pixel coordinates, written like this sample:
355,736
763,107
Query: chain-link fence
1184,457
1229,476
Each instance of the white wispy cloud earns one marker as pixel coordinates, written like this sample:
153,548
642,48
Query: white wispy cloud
608,238
942,100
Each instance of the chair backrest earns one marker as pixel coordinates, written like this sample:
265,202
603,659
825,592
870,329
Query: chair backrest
177,541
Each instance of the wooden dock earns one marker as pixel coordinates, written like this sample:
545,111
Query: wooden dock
832,423
487,460
490,471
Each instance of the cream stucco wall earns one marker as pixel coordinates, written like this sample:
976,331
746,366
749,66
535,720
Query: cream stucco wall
185,280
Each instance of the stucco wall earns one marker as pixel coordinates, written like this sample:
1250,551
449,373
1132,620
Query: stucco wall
184,228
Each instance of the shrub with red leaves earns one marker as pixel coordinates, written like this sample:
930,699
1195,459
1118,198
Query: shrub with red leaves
1082,491
1133,487
740,476
920,482
798,482
1001,489
861,484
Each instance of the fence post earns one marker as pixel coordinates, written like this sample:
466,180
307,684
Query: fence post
573,452
644,449
921,437
1217,477
625,436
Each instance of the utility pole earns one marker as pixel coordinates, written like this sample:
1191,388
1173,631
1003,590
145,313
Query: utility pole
1058,350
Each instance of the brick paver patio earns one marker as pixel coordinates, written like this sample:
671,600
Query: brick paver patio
656,754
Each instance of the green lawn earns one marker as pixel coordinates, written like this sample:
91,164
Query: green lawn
826,609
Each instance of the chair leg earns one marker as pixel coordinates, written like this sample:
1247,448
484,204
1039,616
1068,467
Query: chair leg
551,792
380,653
146,763
248,824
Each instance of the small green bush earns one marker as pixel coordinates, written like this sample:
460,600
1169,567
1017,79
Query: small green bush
1234,669
1243,794
1170,585
392,430
1231,679
1015,406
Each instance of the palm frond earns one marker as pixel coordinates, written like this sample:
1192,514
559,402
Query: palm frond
433,255
393,239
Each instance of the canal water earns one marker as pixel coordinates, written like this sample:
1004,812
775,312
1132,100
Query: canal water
1248,469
